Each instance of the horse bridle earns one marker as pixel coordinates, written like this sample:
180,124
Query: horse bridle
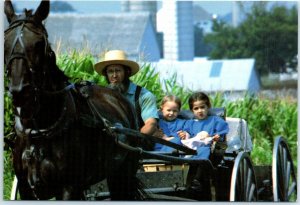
20,24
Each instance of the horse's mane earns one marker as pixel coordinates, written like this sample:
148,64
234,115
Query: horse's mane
57,73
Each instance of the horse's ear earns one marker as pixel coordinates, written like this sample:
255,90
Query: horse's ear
9,10
42,11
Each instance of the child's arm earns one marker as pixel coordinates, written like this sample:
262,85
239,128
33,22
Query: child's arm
183,135
165,137
221,130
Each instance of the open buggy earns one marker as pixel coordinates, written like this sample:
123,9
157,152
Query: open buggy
233,176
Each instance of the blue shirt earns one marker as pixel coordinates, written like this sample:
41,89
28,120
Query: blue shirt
170,128
147,102
212,125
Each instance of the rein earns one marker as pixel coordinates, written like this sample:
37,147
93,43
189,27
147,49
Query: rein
132,132
155,155
58,92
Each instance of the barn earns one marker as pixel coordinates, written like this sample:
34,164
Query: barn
132,32
234,75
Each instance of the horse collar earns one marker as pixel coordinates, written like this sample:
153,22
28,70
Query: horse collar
68,115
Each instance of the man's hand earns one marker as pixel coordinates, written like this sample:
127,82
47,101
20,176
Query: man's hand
158,133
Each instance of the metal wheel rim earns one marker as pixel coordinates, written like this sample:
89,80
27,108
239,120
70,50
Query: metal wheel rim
283,174
243,181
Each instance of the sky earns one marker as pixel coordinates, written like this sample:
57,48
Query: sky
218,7
92,6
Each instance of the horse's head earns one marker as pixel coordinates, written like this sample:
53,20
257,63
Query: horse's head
29,60
25,49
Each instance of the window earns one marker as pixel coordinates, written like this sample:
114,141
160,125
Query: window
215,70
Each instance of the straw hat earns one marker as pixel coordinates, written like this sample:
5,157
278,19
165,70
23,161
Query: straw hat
116,57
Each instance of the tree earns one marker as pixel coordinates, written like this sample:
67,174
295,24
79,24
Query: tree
201,49
60,6
269,36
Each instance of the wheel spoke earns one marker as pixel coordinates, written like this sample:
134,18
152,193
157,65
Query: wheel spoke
248,184
244,179
251,193
240,185
292,189
287,177
284,160
239,193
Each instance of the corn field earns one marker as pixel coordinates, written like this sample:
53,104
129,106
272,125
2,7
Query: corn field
266,118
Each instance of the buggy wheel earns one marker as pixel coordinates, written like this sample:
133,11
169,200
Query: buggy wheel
243,182
283,174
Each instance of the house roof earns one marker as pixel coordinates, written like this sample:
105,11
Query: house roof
212,75
98,32
200,14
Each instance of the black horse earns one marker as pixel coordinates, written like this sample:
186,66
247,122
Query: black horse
64,142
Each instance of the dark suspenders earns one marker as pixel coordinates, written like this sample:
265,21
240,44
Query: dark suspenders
146,144
137,106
